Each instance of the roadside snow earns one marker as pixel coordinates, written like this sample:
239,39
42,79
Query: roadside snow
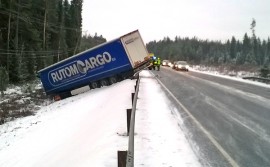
15,90
236,78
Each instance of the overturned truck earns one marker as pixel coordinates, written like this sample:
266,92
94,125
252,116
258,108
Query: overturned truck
102,65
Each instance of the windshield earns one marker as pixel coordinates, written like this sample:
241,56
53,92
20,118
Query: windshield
182,63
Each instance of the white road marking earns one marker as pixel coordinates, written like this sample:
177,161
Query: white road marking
242,121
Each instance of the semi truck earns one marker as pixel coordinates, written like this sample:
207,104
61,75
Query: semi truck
99,66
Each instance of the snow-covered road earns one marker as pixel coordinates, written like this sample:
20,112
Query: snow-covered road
234,115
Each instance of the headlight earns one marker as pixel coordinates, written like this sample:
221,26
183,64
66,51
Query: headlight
179,66
187,66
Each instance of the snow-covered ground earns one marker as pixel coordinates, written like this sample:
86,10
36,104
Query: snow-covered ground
89,129
224,71
237,76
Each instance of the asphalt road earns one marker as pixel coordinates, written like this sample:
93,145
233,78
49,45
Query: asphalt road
233,114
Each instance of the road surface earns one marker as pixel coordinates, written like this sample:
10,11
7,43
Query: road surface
233,114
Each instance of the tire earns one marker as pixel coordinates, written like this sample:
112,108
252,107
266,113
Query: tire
112,80
94,85
104,82
64,95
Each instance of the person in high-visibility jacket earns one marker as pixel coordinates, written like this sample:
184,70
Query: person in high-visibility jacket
155,63
158,63
152,60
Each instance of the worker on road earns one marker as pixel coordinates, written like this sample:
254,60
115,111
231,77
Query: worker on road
155,63
158,63
152,60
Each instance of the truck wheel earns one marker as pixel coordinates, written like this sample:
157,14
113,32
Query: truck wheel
94,85
104,82
64,95
56,98
112,80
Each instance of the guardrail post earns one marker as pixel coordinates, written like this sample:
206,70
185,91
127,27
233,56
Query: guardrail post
128,120
132,97
122,157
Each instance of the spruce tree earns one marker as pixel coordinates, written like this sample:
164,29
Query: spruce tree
76,24
233,48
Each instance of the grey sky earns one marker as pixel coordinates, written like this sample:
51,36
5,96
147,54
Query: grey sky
156,19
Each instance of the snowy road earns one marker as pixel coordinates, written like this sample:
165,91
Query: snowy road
236,115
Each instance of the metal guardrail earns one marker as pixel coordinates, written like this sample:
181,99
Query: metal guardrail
130,152
265,80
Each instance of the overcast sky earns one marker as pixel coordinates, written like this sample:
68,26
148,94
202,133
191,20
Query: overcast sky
156,19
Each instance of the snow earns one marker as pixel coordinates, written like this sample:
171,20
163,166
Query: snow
238,76
89,129
14,90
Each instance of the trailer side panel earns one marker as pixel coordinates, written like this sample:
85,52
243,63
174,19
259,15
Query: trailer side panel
91,65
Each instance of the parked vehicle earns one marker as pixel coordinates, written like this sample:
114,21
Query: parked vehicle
174,64
181,65
102,65
166,63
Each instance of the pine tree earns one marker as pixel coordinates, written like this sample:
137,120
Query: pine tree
267,53
76,20
37,16
15,57
233,48
88,41
62,45
52,31
246,51
3,80
68,25
7,14
29,38
254,43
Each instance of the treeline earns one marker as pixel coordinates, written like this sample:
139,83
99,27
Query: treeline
89,41
37,33
251,51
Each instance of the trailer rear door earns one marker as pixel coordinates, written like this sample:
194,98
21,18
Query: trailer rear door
135,48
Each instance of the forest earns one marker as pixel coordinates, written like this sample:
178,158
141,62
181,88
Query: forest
37,33
250,52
